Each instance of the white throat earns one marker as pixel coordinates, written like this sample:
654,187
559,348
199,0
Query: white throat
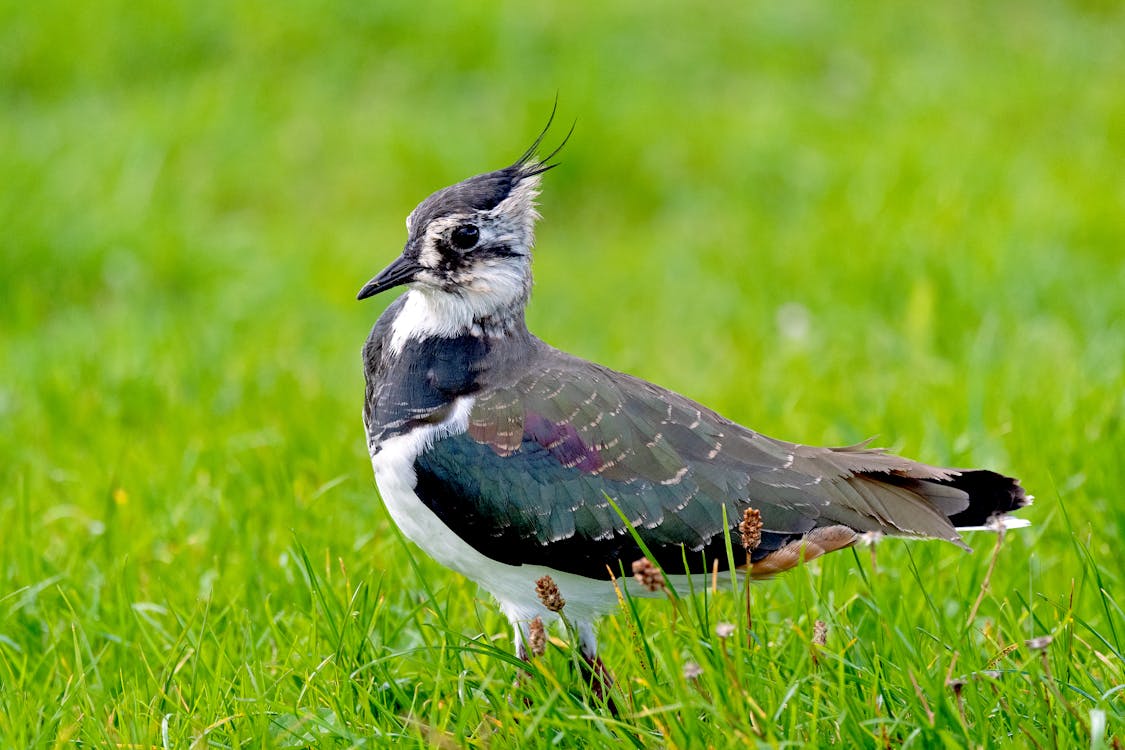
483,306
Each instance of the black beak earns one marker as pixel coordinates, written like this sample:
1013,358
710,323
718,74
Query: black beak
401,271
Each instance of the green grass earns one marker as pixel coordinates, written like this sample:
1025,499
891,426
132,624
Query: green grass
828,221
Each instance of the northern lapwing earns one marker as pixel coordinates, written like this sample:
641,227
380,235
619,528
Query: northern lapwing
499,455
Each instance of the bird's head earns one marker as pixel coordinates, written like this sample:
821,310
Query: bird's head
468,246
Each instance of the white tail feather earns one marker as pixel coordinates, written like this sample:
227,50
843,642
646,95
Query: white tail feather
998,523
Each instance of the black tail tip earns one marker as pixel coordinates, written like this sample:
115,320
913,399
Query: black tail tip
990,495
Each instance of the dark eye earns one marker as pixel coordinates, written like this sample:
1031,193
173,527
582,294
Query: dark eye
465,236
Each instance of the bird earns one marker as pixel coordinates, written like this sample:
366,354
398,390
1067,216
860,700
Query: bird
515,464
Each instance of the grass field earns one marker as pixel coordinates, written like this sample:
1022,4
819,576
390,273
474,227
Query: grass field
827,221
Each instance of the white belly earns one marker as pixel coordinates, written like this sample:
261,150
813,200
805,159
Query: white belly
512,585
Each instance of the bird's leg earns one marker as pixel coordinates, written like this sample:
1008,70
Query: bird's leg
597,675
523,676
520,629
594,671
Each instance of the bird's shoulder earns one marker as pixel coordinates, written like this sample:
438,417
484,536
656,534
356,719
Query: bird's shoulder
567,403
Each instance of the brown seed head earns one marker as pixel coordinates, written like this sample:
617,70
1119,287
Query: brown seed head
648,575
537,637
549,594
820,632
751,528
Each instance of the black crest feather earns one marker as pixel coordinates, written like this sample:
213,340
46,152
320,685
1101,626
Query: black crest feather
484,192
528,164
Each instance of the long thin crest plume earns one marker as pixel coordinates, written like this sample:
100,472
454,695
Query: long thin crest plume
529,164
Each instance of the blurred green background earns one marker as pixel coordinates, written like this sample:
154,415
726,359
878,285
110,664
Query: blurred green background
826,220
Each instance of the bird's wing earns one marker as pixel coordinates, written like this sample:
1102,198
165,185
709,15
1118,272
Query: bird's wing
531,480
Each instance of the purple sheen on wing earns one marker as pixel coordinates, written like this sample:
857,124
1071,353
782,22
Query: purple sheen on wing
563,442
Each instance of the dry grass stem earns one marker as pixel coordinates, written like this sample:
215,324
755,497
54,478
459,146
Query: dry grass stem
987,577
921,698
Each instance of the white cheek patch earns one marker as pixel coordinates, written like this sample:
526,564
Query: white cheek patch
429,257
502,282
426,277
